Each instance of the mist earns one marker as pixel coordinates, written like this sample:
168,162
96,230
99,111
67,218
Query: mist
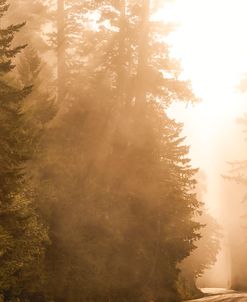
123,163
212,128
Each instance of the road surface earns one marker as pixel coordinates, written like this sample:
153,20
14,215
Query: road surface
222,295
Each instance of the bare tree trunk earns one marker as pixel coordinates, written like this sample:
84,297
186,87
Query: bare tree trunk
122,51
60,50
143,54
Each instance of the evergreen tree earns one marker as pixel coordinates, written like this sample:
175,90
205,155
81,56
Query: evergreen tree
201,259
37,17
22,234
207,248
120,205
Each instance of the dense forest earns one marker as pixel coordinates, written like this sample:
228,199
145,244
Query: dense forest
98,198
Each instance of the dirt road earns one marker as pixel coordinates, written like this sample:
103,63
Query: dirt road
221,295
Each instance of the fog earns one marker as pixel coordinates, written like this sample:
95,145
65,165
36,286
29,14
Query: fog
212,128
224,142
122,154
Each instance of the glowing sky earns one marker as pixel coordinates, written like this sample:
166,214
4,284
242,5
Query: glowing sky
211,41
212,37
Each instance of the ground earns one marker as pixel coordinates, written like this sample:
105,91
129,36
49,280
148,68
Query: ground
221,295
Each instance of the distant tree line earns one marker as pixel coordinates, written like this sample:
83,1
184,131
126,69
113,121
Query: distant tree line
237,174
97,194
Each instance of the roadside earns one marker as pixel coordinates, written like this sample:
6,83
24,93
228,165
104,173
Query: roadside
218,294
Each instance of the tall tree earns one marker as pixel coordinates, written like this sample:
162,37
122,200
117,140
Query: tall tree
38,23
207,249
117,169
22,234
61,58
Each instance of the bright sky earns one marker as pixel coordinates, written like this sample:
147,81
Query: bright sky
211,41
212,44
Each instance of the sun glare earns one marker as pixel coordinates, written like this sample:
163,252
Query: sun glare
210,41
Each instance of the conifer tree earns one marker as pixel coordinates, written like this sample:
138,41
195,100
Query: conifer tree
22,234
201,259
37,18
117,165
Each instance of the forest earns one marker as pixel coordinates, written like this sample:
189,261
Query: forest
99,198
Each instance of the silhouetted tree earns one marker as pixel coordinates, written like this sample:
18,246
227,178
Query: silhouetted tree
207,248
120,205
22,234
38,23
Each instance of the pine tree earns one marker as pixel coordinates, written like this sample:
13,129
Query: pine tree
116,164
37,17
22,234
207,249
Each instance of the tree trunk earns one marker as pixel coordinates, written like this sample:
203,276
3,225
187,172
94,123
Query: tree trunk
60,50
143,54
122,52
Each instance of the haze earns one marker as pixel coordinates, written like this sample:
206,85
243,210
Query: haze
209,42
123,165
